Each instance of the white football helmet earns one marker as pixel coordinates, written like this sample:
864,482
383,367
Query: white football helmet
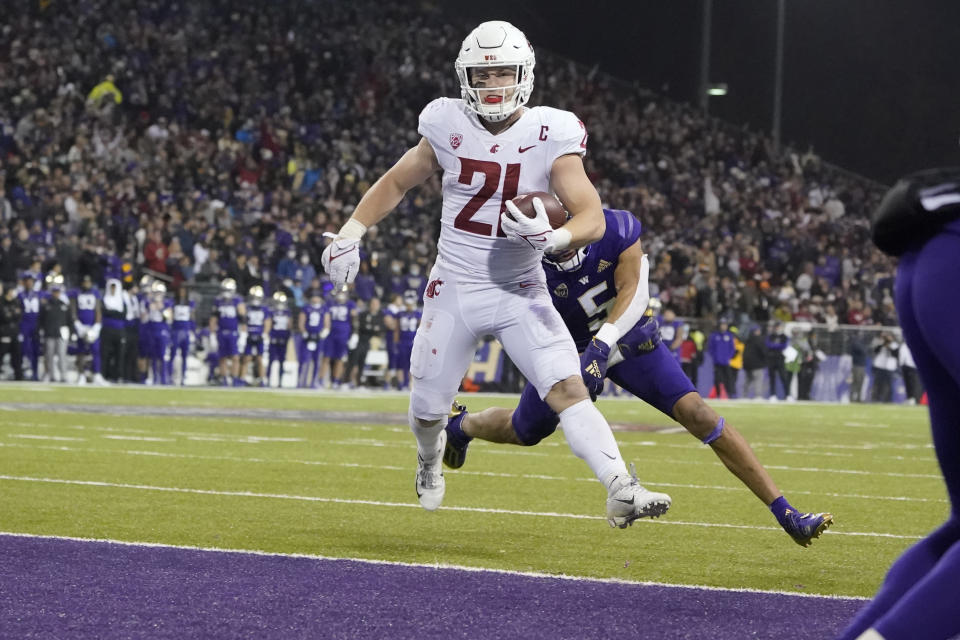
256,295
496,44
228,288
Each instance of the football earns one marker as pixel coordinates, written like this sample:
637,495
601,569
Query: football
555,211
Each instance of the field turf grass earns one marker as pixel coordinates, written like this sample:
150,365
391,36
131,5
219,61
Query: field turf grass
332,474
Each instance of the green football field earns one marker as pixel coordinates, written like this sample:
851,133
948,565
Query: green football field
332,474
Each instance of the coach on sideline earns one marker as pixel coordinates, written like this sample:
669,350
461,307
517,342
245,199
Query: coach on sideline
919,220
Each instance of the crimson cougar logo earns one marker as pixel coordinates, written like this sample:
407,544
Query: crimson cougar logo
433,289
456,139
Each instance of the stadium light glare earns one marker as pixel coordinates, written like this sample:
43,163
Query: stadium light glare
718,89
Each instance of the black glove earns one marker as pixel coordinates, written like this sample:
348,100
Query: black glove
915,209
593,366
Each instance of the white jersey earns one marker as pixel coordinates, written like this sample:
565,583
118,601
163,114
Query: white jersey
481,171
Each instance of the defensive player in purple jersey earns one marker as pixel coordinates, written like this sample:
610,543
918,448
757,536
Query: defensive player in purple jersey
601,292
280,324
225,322
258,320
87,325
184,330
919,221
314,328
29,328
157,330
341,317
408,321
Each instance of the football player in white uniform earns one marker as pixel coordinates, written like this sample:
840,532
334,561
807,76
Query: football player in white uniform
487,279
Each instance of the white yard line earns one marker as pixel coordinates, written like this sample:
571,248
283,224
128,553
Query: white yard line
408,505
28,436
438,566
464,472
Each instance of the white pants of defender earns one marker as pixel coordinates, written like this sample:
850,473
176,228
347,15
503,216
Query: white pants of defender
460,314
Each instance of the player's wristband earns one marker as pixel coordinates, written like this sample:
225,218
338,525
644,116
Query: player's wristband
608,334
353,229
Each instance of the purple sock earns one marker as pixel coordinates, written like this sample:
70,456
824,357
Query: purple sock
455,434
779,508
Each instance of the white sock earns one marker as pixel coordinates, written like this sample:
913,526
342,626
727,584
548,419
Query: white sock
427,434
591,439
870,634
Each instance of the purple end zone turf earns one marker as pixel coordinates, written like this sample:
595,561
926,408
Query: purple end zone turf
52,588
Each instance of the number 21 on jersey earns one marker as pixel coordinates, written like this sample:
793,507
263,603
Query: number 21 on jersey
491,180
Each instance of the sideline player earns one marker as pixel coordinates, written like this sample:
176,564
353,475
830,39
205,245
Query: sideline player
87,312
602,290
225,324
281,319
342,316
257,322
184,329
314,327
919,220
487,278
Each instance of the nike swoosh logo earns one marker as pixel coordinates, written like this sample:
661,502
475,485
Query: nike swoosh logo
526,285
334,257
525,149
607,454
630,501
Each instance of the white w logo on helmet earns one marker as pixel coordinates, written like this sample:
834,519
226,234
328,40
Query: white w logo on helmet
496,44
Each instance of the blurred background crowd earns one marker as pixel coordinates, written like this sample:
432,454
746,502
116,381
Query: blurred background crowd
200,142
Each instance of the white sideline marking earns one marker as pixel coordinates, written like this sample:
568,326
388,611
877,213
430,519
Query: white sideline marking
140,438
33,437
487,474
408,505
423,565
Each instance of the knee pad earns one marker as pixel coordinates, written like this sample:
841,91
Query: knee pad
425,405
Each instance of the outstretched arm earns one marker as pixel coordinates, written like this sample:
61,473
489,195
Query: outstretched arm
341,258
569,181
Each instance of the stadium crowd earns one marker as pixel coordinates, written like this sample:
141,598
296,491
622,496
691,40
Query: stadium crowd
214,141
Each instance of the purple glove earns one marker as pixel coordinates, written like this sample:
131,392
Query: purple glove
593,366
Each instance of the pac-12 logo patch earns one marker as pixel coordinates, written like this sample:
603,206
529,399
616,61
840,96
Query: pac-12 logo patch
561,290
456,139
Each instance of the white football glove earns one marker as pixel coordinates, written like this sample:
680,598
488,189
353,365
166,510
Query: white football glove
353,342
536,232
341,259
324,333
93,334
